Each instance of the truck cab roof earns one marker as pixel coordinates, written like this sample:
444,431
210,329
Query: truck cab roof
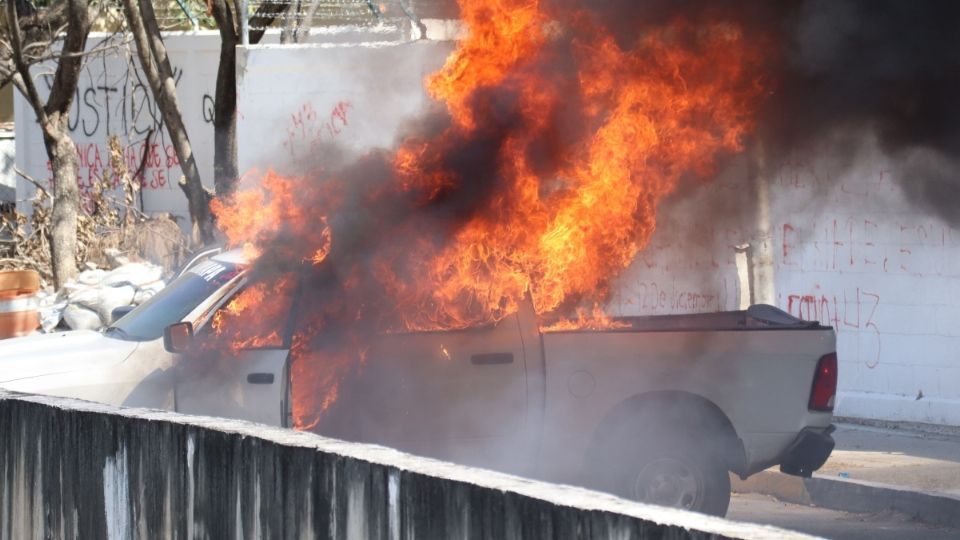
233,256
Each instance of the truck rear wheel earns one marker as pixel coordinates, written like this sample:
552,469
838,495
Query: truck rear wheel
671,473
682,478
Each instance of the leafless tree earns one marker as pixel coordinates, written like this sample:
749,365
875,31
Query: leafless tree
30,37
225,172
227,15
152,52
156,66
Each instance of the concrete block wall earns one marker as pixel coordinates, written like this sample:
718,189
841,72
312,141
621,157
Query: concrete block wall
112,99
365,83
8,178
340,100
73,469
855,251
851,249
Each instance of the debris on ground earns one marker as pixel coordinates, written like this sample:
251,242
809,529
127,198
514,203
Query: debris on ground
89,301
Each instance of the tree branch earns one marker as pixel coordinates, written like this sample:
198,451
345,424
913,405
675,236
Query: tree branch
156,66
6,74
225,100
68,69
30,179
146,154
92,52
155,41
26,81
266,13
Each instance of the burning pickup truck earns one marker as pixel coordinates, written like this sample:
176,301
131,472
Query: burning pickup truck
657,409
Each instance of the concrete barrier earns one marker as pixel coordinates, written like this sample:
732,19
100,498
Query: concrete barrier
72,469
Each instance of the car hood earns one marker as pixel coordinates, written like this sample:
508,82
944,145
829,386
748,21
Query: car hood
46,354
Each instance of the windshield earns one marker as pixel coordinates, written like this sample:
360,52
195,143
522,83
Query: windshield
147,321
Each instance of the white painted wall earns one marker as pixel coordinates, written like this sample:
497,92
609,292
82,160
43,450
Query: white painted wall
8,179
850,251
113,98
352,96
886,274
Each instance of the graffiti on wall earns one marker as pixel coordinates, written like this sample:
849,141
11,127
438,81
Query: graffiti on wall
848,311
118,102
307,129
848,251
114,98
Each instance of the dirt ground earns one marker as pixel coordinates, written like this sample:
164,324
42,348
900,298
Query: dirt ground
922,461
763,509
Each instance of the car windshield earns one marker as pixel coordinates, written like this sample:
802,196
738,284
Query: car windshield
147,321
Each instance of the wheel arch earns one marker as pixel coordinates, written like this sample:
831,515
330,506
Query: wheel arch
673,410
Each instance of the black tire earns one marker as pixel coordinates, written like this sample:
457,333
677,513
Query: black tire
673,472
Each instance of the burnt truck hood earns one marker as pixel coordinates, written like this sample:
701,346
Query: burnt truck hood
46,354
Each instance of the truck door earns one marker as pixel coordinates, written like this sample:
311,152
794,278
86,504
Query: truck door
252,385
459,396
247,382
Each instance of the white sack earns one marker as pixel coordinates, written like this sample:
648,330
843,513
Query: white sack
136,274
110,298
81,318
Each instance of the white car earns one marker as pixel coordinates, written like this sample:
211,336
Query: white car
125,364
658,411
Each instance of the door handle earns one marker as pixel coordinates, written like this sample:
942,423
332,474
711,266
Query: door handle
260,378
487,359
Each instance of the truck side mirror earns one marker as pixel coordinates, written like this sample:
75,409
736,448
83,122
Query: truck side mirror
177,337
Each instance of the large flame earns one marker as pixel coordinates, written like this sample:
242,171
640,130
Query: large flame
559,142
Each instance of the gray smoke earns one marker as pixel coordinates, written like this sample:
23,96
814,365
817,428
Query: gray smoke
841,71
886,68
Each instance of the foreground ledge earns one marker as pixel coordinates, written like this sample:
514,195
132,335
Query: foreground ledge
73,469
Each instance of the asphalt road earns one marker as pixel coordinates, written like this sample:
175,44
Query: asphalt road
757,508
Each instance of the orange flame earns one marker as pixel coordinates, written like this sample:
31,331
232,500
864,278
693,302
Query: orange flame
594,319
660,111
502,35
645,115
258,216
269,302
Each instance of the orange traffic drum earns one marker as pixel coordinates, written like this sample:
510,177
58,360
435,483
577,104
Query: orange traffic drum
18,303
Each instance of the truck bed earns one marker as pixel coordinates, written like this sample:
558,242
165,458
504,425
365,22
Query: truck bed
757,317
755,365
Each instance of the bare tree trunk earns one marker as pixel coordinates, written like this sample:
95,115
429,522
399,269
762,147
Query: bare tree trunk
266,13
159,74
53,119
226,13
307,21
225,172
66,200
291,23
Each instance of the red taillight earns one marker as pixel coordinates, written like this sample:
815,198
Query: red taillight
824,384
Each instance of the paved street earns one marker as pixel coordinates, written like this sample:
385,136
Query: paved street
832,524
926,461
901,458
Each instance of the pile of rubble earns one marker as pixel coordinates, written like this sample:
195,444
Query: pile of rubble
89,301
